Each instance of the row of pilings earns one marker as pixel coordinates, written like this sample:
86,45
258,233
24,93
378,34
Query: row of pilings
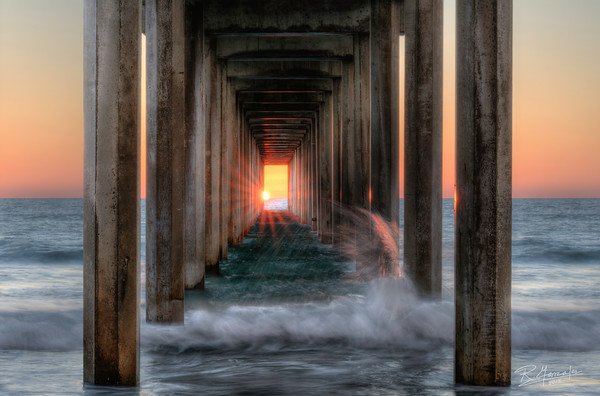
235,85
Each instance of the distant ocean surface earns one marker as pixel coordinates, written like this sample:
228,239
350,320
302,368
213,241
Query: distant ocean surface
301,327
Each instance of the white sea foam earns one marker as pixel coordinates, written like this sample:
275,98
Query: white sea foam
387,315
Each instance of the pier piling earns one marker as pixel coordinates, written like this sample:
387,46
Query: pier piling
235,85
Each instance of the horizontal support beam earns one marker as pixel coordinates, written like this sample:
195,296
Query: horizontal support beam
328,46
285,16
262,126
280,120
321,85
286,97
279,132
280,113
281,107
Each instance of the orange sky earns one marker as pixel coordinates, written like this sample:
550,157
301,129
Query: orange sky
556,116
276,180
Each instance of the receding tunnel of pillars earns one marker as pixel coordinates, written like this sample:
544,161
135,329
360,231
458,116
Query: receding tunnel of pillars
234,85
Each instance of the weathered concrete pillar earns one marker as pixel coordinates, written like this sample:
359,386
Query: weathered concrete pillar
483,206
193,243
294,181
336,163
234,216
257,186
325,170
111,193
423,145
254,180
289,190
165,26
227,133
360,169
314,176
300,185
385,31
355,143
247,180
212,119
347,138
243,177
306,183
290,184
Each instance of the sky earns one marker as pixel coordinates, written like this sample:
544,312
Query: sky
556,98
276,181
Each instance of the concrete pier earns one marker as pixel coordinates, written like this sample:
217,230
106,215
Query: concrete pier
111,211
423,146
165,276
385,34
235,85
483,193
211,83
325,142
195,159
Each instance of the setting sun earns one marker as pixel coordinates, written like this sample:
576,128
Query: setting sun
276,181
265,196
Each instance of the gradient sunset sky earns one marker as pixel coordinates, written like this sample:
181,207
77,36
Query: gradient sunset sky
556,116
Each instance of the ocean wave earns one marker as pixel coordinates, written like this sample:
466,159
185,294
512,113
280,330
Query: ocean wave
40,255
539,250
556,331
389,315
560,255
41,331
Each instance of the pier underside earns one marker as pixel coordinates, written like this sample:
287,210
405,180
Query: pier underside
235,85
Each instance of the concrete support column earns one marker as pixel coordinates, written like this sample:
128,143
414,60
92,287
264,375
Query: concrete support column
295,182
254,179
300,185
289,190
347,137
314,176
211,83
165,26
325,170
111,193
227,133
355,143
385,32
262,184
234,216
336,163
360,169
423,145
305,182
194,255
243,178
252,182
483,205
290,185
249,187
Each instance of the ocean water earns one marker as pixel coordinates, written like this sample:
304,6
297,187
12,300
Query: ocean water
289,318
